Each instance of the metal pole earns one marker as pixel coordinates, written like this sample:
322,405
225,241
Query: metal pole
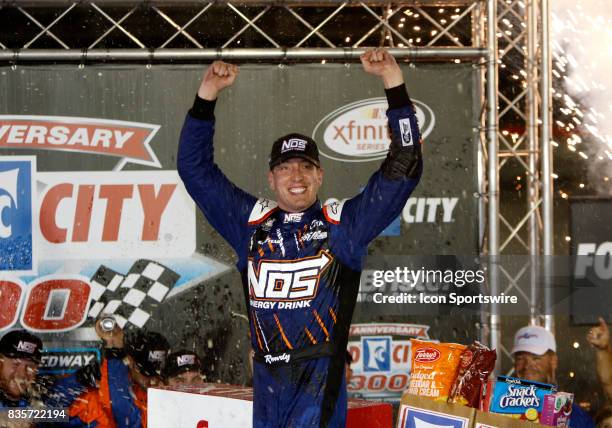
165,55
531,61
547,164
493,171
478,39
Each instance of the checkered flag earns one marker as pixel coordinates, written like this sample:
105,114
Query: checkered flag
131,298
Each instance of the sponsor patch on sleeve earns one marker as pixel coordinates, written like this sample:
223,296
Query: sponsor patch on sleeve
406,132
333,211
261,210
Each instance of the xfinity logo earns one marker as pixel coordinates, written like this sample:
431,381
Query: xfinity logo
28,347
428,210
287,280
293,144
277,358
359,132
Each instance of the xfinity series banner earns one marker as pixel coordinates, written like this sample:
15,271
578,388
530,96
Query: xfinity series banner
591,243
94,218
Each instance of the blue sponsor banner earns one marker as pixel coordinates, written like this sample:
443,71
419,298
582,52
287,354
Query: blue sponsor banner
60,361
376,353
412,417
16,213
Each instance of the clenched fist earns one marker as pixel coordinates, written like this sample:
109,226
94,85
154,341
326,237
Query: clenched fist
381,63
599,336
218,75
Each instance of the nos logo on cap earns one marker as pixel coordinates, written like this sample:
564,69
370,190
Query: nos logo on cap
293,144
28,347
184,360
157,355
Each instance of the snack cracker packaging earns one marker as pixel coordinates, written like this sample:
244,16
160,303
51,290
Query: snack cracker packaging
519,398
434,368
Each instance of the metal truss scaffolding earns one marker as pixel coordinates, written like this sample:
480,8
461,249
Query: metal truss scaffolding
507,40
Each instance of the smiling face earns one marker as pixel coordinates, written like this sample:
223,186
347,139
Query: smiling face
295,183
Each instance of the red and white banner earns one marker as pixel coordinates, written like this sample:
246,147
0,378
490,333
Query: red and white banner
126,140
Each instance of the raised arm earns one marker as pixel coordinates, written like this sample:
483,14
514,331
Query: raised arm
225,206
366,215
599,337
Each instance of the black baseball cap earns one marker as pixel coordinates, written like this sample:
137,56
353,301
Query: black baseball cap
180,362
149,351
294,146
21,344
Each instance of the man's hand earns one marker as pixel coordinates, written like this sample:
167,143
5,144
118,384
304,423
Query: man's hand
381,63
599,336
111,339
218,75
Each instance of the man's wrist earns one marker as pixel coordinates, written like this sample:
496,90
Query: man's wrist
392,80
207,92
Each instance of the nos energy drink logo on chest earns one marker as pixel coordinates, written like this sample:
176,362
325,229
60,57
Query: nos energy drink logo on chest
17,214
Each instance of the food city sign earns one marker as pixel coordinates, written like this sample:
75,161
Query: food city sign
358,132
381,355
92,215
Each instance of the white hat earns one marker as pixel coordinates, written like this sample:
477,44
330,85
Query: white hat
535,340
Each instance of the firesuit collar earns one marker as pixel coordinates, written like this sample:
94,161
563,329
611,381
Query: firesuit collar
287,218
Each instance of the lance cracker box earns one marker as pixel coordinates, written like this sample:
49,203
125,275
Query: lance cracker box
519,398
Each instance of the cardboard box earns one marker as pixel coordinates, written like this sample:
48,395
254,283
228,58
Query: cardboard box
218,405
493,420
423,412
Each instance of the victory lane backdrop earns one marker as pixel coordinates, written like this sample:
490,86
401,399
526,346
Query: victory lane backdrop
96,125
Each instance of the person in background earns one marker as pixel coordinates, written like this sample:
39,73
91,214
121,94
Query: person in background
117,396
599,338
535,359
20,354
182,369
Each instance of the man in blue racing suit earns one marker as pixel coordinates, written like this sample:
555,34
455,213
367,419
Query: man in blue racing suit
300,261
